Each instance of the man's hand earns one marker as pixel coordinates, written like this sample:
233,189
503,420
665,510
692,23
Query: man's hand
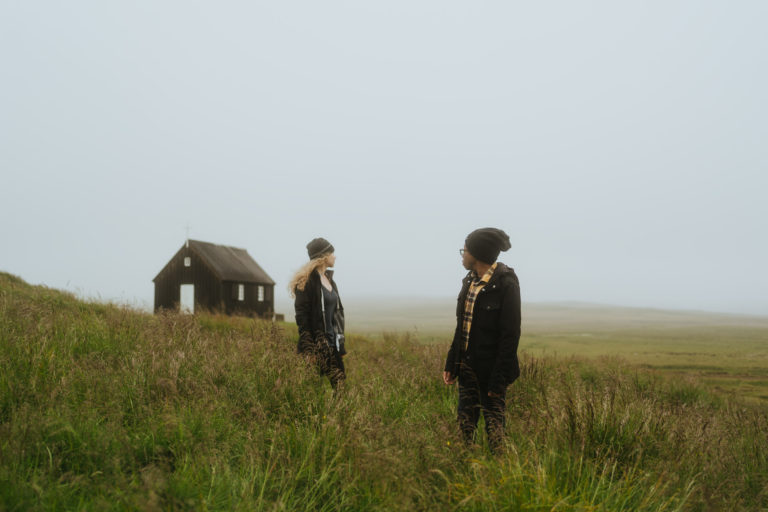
448,378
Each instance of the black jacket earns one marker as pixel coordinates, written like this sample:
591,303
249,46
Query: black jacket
309,312
495,331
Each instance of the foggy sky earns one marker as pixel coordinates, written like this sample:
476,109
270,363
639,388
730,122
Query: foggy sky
621,145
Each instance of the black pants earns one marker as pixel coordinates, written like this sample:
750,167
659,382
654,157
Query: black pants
473,398
325,356
330,363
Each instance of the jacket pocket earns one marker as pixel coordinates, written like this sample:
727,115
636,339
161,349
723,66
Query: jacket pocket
486,316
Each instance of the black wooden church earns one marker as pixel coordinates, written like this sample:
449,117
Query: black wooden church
207,277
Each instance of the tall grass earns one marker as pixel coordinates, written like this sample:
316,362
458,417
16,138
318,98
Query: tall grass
102,407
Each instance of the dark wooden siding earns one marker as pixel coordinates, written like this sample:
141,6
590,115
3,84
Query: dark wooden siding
250,305
169,281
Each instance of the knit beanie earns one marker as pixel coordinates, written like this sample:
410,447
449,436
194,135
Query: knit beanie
485,244
319,247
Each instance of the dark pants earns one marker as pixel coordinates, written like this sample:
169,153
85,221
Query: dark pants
330,363
473,398
327,358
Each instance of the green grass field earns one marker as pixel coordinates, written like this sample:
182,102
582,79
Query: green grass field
106,408
729,359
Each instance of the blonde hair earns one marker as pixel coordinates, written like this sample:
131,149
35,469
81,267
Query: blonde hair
300,278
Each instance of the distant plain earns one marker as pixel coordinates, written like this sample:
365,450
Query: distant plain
727,352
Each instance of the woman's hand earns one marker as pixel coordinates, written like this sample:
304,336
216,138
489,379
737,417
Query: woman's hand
448,378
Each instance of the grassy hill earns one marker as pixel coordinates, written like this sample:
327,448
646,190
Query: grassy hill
103,407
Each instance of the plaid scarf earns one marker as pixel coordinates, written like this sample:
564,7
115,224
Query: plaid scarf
469,304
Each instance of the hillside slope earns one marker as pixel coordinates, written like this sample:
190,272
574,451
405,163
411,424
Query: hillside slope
102,407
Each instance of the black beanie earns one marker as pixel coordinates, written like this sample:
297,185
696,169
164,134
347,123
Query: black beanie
319,247
485,244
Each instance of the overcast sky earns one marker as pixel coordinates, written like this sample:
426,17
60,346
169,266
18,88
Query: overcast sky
623,146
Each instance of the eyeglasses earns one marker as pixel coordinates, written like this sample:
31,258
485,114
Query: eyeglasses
461,251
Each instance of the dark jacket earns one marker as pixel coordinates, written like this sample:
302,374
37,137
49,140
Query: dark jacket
309,313
495,331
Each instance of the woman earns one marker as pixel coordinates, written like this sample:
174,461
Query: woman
319,313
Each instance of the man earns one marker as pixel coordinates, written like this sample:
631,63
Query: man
483,355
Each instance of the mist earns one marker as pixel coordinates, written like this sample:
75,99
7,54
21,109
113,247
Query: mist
621,147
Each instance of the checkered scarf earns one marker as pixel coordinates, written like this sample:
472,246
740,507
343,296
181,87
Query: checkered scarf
469,304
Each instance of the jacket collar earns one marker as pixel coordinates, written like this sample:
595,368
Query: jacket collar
501,269
316,274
